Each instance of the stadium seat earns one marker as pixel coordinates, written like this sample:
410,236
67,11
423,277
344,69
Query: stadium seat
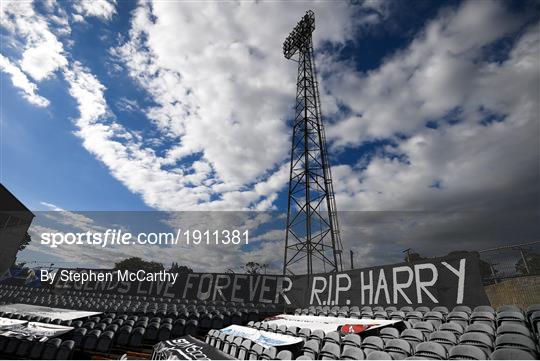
425,327
515,341
211,337
284,355
90,341
235,346
123,335
105,342
397,315
317,334
478,339
372,343
220,341
269,354
191,328
255,352
459,317
292,331
453,327
330,351
397,348
79,335
378,355
462,308
243,349
178,327
414,317
311,348
23,349
441,309
51,348
510,328
352,353
445,338
466,352
136,338
511,354
510,317
436,318
351,339
281,329
112,327
332,337
388,333
304,333
412,336
430,351
65,351
226,345
37,350
483,328
11,345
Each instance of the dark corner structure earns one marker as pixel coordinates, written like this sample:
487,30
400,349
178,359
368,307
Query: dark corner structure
312,226
15,219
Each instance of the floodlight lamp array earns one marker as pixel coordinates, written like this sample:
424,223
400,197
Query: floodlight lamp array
300,35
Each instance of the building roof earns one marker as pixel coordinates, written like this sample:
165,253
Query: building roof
9,203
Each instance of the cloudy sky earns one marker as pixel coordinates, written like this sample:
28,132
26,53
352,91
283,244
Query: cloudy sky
174,106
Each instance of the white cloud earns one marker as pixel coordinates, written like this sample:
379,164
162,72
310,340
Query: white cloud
225,93
21,81
42,53
443,71
103,9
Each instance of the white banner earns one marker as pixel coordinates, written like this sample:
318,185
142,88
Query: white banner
35,330
7,323
263,338
43,311
328,324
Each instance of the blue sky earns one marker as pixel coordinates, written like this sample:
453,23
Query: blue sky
174,106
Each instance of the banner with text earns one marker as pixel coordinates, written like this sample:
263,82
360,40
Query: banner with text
187,348
328,324
447,281
44,311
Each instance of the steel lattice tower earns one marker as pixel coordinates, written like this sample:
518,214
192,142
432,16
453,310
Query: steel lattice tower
312,226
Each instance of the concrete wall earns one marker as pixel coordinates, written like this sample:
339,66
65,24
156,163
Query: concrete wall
520,291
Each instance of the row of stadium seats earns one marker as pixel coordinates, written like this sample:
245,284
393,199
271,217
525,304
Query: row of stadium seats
106,302
45,290
477,341
102,333
437,333
53,349
438,313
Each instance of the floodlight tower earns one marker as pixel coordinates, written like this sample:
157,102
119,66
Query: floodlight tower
312,226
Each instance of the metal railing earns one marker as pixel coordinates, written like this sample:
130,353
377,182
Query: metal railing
506,262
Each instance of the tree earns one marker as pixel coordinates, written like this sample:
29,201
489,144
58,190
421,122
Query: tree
254,268
136,263
485,268
25,241
533,264
180,269
414,257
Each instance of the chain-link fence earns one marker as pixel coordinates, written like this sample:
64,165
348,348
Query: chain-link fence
511,274
501,263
